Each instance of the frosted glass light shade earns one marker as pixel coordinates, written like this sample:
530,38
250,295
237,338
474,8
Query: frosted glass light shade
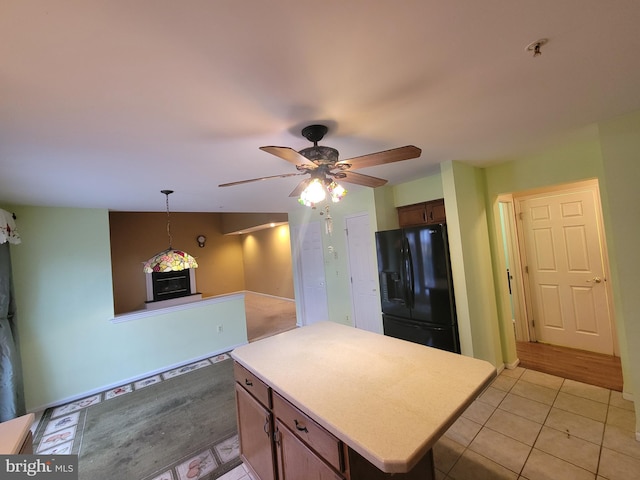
314,193
170,260
336,191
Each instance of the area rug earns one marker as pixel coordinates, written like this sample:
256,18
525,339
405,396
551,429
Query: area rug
178,425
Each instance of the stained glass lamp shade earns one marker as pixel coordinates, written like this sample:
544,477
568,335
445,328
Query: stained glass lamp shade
169,260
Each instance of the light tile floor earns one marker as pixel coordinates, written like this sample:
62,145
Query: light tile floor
532,426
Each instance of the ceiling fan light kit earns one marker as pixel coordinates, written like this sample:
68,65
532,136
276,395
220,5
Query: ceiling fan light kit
324,168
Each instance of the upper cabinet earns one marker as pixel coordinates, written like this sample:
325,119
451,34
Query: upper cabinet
426,213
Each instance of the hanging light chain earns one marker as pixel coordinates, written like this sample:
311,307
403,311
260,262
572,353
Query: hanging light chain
167,192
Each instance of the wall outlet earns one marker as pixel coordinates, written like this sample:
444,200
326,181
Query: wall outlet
219,328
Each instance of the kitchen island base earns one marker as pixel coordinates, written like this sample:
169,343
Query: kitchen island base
332,402
277,440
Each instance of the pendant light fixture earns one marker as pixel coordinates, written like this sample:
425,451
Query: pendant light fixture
169,260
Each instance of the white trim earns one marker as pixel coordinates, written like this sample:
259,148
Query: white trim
137,315
104,388
270,296
512,365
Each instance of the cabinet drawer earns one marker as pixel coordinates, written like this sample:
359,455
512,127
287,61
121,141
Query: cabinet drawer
314,435
252,384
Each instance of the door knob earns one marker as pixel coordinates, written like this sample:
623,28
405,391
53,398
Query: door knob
595,280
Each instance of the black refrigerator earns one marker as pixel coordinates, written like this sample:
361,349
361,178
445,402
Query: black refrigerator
416,287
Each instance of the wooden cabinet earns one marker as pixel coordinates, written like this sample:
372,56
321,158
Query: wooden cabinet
279,441
321,447
426,213
296,461
255,424
274,432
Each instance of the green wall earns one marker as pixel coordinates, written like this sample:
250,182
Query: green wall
464,192
621,153
336,264
69,347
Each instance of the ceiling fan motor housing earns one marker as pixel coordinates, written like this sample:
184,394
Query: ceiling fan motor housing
320,155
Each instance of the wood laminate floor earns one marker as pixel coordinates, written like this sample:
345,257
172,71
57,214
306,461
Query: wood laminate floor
582,366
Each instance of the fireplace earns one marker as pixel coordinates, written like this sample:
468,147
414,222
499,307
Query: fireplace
171,288
168,285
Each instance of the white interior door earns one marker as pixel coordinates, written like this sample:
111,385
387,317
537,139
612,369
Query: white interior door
364,274
309,261
514,270
564,258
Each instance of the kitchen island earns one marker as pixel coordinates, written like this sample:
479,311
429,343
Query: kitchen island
347,403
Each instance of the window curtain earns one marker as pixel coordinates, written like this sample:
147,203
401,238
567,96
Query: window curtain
12,403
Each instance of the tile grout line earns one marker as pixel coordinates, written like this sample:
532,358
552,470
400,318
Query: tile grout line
541,427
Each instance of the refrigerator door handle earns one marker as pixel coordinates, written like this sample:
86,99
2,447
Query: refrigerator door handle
410,279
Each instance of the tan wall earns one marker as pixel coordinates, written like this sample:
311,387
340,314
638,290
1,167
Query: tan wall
137,236
236,222
267,262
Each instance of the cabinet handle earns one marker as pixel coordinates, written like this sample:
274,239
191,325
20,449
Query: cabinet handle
300,428
248,383
266,425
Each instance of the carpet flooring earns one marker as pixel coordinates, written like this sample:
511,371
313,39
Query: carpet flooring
268,316
177,425
180,427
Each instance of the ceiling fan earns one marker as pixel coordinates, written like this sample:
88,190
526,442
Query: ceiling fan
324,168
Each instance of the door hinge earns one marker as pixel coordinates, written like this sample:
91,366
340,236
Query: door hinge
533,322
276,436
526,269
521,215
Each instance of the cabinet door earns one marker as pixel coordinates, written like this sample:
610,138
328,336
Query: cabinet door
296,461
412,215
254,430
435,212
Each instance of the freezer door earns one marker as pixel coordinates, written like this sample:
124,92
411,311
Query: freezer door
432,287
444,338
392,270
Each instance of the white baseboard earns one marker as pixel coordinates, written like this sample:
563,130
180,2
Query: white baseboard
269,296
104,388
512,365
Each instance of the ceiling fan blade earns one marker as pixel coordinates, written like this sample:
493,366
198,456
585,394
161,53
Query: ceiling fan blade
360,179
261,178
301,186
288,154
380,158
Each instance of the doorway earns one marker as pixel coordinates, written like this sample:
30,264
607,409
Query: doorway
363,274
308,261
558,273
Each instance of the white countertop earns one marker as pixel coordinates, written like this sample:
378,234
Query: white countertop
14,432
388,399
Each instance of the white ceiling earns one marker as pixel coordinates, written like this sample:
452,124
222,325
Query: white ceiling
103,103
